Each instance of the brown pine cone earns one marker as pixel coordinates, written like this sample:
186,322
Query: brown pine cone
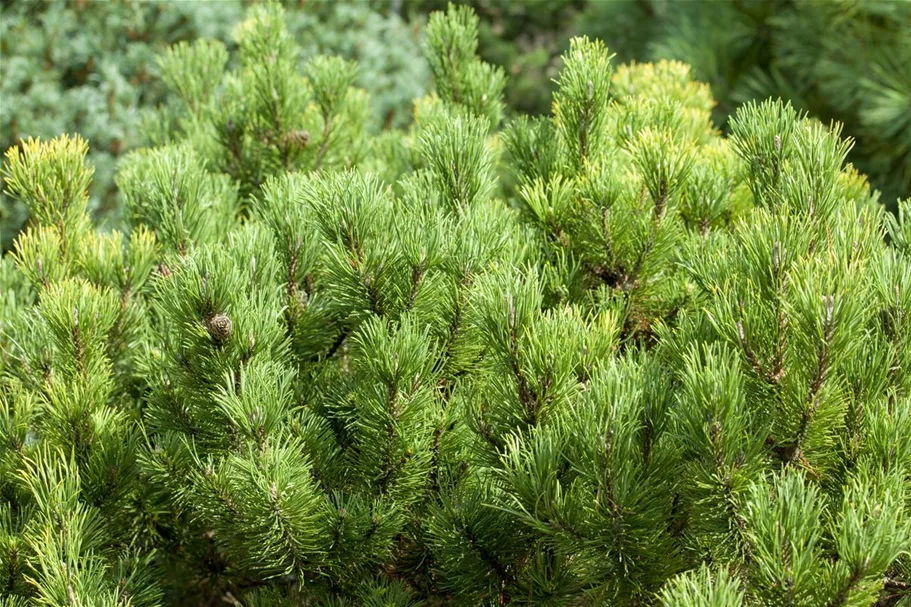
220,327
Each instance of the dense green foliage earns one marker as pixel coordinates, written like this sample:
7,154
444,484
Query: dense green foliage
90,67
526,38
845,60
606,356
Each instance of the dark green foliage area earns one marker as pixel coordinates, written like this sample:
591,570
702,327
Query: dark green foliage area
603,356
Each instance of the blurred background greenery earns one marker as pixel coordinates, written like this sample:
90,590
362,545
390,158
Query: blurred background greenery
88,66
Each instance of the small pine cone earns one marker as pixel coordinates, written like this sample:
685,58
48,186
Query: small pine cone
219,327
298,138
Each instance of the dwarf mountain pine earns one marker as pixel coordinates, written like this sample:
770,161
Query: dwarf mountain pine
603,357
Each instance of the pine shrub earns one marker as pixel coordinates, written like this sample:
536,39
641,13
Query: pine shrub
90,67
526,38
836,59
603,357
